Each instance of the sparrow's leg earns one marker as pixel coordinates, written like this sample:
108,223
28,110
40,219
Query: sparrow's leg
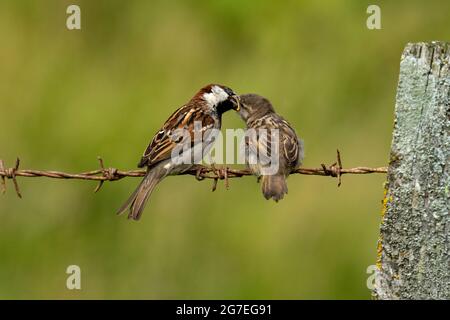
227,184
220,174
216,171
199,173
213,167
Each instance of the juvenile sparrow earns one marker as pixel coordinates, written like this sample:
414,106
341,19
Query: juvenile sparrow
164,155
264,126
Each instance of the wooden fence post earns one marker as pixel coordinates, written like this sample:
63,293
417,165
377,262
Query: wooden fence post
413,249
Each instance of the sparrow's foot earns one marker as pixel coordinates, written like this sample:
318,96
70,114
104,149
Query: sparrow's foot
216,171
220,174
224,172
199,173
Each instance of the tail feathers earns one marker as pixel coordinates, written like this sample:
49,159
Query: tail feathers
274,187
136,202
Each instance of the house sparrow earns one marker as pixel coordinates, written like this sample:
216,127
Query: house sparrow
263,143
201,115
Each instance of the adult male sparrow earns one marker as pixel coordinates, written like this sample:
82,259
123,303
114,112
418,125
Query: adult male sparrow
264,126
188,134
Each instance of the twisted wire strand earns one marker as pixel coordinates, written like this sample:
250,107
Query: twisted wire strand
201,172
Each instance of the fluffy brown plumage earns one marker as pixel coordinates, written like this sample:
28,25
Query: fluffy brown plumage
201,114
259,114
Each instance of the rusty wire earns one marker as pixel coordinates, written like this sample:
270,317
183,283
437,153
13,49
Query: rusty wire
199,171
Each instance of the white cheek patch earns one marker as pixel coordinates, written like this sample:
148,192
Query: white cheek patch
216,96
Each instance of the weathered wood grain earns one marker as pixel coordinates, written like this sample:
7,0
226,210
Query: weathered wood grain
413,250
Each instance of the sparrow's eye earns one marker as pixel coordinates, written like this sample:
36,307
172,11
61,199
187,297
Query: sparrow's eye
229,91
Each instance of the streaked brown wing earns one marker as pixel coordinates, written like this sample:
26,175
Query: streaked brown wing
162,144
289,143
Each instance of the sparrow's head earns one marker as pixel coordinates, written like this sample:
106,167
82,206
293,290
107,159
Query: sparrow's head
219,98
254,106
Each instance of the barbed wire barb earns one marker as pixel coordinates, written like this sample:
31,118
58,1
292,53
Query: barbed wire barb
3,182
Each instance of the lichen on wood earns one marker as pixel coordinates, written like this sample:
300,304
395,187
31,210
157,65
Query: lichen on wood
413,259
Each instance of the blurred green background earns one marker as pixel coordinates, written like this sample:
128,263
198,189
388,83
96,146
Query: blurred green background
68,96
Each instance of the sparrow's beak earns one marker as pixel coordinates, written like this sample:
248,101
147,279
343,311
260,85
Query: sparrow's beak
236,102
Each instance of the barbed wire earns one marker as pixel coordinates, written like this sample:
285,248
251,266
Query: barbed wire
200,172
